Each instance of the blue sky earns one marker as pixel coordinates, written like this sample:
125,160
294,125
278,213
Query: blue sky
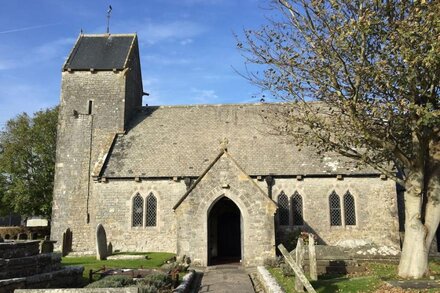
187,48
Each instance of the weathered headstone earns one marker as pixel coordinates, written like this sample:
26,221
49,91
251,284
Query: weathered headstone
312,259
22,236
298,271
101,243
109,249
46,245
299,258
67,242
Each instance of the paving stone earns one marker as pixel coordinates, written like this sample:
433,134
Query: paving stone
226,279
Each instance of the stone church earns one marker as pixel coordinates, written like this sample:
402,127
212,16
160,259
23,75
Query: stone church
207,181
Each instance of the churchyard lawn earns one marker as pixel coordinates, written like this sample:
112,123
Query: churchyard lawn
152,260
372,280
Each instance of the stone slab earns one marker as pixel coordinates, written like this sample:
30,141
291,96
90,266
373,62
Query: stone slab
415,284
269,283
126,256
16,249
66,277
81,290
298,271
226,279
101,243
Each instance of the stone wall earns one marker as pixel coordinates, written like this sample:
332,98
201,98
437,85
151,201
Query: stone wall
30,232
226,179
375,202
113,209
112,206
84,138
22,266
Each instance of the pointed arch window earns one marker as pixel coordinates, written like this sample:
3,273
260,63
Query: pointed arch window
137,211
151,211
349,209
283,209
335,209
297,209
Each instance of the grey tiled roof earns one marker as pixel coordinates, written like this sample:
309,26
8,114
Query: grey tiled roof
172,141
100,52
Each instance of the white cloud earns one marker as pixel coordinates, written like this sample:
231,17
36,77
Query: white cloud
53,49
151,32
204,2
47,52
27,28
165,60
17,97
186,42
149,81
6,64
204,96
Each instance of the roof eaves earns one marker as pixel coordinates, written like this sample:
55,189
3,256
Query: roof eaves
130,51
72,52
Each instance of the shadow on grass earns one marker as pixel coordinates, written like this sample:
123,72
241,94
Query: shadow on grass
329,284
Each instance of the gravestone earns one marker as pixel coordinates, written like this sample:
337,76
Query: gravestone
298,271
67,242
101,243
312,259
109,249
46,246
22,236
299,255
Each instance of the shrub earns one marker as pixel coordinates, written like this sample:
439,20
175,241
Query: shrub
273,262
148,289
112,282
288,239
156,280
287,270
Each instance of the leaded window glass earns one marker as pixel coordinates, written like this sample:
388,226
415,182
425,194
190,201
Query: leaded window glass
297,209
349,209
283,209
335,210
138,211
151,213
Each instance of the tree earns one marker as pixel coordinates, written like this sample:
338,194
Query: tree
362,78
27,162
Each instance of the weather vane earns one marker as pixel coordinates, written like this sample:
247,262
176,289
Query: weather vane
109,11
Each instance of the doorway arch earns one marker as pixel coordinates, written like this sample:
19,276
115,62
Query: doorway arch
225,240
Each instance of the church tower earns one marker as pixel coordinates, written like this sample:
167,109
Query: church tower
101,91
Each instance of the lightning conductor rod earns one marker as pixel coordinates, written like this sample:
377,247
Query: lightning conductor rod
109,11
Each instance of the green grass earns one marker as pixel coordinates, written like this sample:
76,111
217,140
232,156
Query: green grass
367,281
154,260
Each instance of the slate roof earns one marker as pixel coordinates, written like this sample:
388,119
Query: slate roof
170,141
100,52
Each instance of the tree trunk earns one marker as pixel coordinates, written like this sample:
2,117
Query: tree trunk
418,234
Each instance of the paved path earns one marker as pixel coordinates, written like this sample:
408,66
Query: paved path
226,278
